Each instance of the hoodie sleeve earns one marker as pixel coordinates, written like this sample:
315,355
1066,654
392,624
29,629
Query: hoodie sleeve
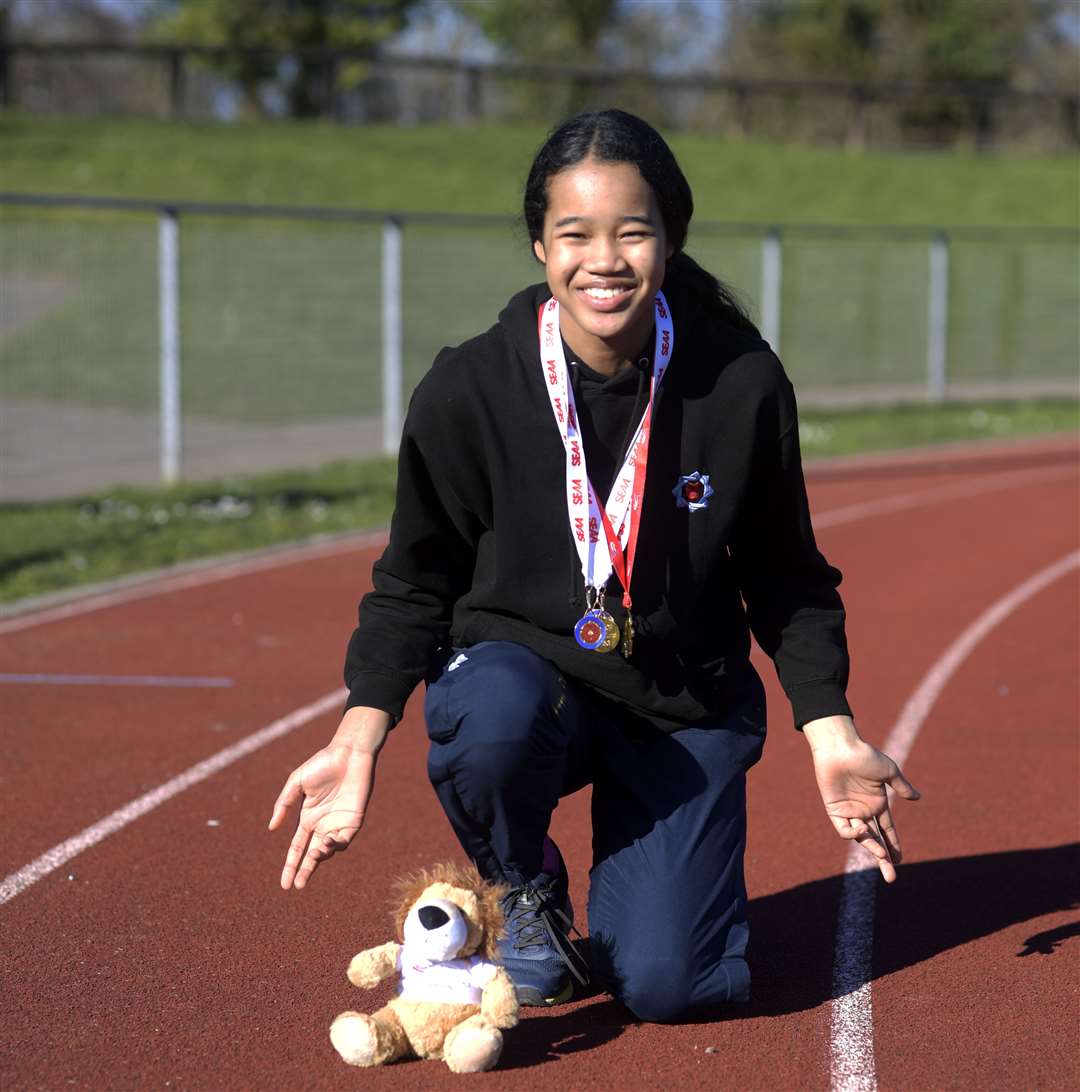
794,609
425,568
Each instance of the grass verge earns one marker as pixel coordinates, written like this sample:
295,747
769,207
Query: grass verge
482,168
55,545
260,298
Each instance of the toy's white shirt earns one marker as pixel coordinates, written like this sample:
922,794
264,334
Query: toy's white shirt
460,981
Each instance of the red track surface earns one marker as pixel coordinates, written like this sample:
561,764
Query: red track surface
167,956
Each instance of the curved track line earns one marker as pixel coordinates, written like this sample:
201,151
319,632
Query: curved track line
64,852
951,455
144,586
900,502
60,854
851,1044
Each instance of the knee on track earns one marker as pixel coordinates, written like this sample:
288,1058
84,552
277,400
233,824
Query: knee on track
657,993
666,991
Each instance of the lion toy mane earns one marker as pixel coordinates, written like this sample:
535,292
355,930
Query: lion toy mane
452,999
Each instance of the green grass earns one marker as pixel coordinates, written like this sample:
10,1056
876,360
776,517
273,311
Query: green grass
852,431
50,546
280,320
482,168
60,544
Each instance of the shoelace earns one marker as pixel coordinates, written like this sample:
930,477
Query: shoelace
533,922
526,911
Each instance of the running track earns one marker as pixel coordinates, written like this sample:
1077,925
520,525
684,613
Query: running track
155,949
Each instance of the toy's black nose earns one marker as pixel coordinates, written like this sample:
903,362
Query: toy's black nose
431,917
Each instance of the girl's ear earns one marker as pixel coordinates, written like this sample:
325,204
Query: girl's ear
670,250
538,250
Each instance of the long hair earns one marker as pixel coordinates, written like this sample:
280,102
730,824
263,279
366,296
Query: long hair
614,136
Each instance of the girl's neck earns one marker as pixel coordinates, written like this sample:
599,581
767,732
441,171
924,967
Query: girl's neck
606,357
609,364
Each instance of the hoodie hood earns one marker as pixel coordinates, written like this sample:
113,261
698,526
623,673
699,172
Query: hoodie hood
518,318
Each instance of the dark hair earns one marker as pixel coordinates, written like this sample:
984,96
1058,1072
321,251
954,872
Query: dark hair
614,136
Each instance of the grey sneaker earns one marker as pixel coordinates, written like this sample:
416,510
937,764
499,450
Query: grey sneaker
537,951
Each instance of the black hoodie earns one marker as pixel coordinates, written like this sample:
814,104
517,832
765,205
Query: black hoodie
480,546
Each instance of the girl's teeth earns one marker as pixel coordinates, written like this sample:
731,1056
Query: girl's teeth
604,293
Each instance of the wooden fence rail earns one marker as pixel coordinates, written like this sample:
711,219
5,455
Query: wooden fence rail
859,113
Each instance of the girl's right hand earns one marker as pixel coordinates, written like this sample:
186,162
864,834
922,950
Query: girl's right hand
334,785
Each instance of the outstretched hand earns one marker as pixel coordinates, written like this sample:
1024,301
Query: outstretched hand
333,788
853,778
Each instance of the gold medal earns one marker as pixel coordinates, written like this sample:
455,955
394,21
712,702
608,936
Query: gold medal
611,632
628,636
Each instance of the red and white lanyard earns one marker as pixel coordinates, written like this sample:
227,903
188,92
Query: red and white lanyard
618,522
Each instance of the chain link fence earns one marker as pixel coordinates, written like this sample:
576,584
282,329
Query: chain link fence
140,343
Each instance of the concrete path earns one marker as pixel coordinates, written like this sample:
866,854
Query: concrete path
50,450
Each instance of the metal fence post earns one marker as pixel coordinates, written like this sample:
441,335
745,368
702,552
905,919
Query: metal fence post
169,334
392,381
937,334
176,83
771,276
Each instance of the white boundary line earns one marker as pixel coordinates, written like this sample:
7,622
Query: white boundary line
59,855
900,502
199,681
210,571
852,1036
144,586
956,457
851,1041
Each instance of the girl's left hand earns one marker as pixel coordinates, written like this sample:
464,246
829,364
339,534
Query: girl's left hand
852,776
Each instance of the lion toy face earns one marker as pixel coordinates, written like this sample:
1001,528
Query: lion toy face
436,929
453,998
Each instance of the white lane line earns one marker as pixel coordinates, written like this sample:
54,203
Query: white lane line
118,680
60,854
900,502
144,586
851,1045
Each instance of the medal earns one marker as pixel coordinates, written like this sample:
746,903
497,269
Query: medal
597,631
628,637
605,537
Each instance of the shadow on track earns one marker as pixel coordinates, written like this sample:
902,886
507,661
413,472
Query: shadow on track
933,907
550,1037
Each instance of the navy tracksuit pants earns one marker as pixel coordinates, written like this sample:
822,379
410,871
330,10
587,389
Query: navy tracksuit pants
510,735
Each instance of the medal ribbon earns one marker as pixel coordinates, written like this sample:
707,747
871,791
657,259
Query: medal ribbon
620,518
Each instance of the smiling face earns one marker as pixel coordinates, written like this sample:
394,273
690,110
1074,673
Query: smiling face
604,250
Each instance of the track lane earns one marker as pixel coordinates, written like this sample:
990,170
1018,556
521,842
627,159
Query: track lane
744,1040
852,1037
983,941
248,635
895,638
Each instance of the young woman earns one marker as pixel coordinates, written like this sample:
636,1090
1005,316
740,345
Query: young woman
599,499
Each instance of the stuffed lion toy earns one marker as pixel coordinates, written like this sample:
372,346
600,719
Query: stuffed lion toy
452,997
